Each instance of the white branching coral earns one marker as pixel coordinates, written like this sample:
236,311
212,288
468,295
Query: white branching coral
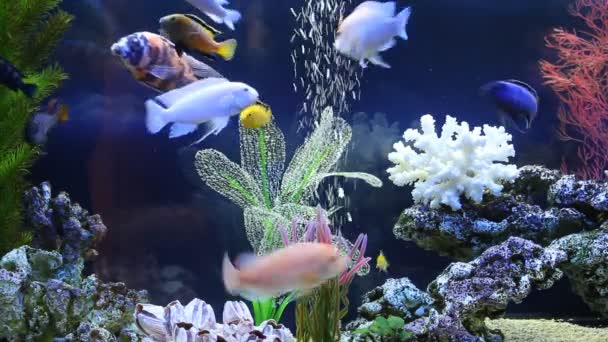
460,161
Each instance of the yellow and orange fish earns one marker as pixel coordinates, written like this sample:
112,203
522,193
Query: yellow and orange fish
257,115
191,33
153,60
297,267
41,123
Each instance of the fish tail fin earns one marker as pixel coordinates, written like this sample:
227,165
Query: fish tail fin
230,276
231,17
402,18
155,116
29,89
227,49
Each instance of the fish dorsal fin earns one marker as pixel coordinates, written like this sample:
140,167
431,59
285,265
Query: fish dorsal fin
244,259
201,22
525,85
173,96
386,8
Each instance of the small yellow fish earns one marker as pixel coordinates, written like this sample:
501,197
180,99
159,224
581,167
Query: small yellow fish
191,33
256,116
381,262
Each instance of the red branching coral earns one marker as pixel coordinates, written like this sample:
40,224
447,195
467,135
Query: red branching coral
580,79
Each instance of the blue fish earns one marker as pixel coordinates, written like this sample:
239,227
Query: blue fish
515,100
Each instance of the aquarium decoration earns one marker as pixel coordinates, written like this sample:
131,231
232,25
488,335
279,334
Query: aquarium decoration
577,77
459,161
541,205
196,322
43,292
269,194
465,294
318,314
543,226
30,32
272,196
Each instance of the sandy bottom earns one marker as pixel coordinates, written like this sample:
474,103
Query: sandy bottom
537,330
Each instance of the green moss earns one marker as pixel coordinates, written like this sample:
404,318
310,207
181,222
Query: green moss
30,32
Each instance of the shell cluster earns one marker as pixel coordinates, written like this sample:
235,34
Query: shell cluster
196,322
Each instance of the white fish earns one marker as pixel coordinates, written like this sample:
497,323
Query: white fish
215,10
370,29
211,101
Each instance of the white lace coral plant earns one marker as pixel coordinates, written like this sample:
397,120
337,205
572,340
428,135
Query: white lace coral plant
460,161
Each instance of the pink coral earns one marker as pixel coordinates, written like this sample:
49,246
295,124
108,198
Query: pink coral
579,77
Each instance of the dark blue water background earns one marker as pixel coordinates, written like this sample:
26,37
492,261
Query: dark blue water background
159,214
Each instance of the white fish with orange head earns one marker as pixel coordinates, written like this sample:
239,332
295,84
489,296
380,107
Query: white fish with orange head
153,60
215,10
371,29
297,267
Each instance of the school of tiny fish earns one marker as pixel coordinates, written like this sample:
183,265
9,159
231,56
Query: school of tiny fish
322,76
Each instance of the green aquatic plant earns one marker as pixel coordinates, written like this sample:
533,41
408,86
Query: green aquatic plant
30,31
388,329
270,195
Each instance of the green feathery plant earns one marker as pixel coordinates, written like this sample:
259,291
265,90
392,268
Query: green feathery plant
30,31
270,195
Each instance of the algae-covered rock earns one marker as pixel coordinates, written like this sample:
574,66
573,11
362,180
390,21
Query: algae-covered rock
396,297
43,293
461,298
540,206
587,266
33,304
470,292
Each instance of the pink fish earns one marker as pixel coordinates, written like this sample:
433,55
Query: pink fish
297,267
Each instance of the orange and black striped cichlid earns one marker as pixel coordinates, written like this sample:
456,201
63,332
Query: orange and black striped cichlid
153,60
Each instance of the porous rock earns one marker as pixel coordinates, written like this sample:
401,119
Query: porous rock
586,266
33,303
60,225
470,292
461,298
540,206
